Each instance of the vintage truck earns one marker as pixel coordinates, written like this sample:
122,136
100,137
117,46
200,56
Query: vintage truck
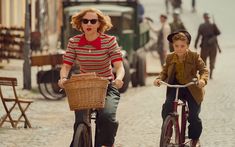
132,34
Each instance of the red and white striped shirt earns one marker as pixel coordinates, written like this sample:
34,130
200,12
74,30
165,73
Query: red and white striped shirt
95,56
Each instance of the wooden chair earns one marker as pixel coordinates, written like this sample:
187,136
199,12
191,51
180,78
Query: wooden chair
10,104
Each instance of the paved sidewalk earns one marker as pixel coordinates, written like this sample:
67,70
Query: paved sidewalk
51,120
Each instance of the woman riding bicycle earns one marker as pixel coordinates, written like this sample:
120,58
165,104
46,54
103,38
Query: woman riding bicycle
181,67
96,52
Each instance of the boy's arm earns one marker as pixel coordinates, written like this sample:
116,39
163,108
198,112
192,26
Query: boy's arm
203,71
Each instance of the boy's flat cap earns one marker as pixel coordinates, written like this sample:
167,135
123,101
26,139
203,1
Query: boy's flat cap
170,37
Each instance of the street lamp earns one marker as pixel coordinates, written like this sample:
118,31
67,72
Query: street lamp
26,51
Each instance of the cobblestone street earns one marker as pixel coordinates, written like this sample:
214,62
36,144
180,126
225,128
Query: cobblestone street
139,108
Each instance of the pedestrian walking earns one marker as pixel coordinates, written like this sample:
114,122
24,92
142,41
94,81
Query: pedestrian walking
193,5
176,25
181,67
208,33
162,45
167,6
175,4
96,51
141,11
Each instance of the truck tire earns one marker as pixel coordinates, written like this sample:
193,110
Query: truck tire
127,76
141,70
134,76
134,79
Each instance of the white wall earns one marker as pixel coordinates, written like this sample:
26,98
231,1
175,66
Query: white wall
12,12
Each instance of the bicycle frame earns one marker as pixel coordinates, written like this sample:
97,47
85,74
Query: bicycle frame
184,115
87,116
184,112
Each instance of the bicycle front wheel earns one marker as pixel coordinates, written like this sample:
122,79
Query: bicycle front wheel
170,135
82,137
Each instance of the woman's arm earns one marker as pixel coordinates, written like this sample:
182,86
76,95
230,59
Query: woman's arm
120,73
64,72
68,60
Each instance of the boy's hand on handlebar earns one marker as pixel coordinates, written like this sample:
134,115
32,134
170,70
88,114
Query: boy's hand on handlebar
157,82
61,82
201,83
118,83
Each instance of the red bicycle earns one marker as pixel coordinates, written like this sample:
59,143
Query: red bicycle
174,126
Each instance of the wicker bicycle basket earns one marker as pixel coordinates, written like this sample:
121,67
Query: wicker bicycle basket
86,93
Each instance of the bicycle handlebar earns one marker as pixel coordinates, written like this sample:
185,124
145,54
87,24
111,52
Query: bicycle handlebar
179,86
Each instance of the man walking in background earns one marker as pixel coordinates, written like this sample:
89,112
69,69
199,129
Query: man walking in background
176,25
193,6
209,44
162,43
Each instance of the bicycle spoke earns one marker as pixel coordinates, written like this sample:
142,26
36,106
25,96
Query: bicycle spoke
170,133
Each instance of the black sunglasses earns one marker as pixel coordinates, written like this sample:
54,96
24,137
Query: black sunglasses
92,21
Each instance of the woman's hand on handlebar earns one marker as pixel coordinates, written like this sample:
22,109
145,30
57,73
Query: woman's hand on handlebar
61,82
118,83
201,83
157,82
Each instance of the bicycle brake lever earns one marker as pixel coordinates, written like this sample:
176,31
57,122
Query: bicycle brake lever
195,80
61,90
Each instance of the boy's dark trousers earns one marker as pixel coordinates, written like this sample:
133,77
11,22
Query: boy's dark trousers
195,124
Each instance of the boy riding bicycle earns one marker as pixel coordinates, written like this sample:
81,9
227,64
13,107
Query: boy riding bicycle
181,67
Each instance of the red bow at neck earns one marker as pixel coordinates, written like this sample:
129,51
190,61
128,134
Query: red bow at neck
95,43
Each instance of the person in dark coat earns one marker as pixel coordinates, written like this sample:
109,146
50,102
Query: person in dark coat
208,33
193,6
176,25
176,4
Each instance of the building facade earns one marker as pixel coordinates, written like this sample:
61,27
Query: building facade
12,13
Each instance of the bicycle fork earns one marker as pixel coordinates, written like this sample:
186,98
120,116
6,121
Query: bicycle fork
184,117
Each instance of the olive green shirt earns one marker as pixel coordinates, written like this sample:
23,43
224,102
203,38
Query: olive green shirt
179,69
